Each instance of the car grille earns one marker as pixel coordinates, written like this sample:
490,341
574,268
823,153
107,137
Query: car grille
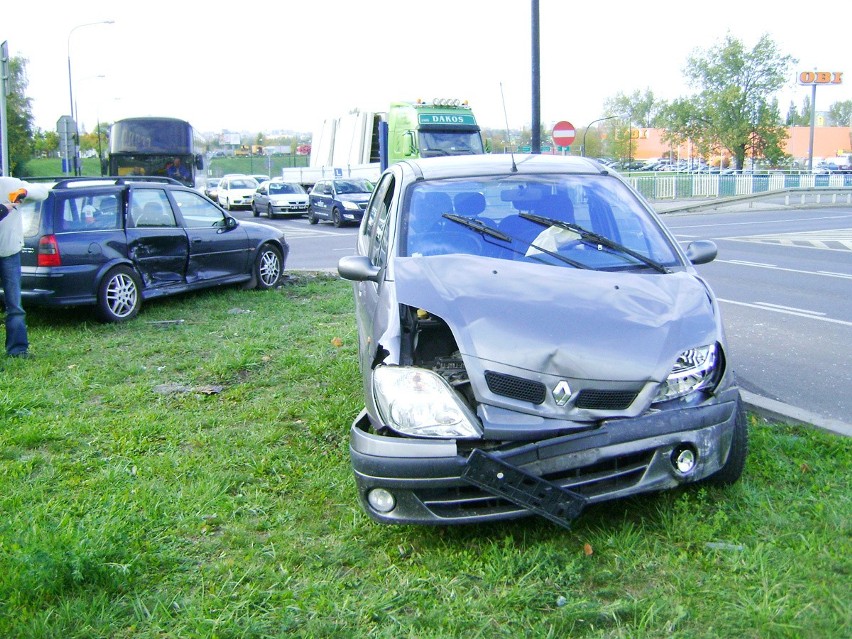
592,399
597,479
527,390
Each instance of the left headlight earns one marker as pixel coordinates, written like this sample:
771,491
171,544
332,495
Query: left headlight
695,369
420,403
350,206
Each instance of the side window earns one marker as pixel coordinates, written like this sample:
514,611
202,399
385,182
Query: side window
87,212
375,205
150,208
381,237
197,212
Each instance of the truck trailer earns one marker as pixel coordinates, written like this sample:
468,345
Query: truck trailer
362,144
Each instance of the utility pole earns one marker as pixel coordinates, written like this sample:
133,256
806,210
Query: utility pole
535,140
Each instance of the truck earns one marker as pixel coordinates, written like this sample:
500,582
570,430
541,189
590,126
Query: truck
362,144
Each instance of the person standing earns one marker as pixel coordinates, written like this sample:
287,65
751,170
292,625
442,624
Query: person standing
12,192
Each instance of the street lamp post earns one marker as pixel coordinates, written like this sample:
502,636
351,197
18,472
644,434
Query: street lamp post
609,117
75,165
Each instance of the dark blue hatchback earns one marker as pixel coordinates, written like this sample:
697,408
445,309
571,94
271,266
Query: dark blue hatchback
114,242
341,201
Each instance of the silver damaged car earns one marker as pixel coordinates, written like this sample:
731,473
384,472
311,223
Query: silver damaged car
532,339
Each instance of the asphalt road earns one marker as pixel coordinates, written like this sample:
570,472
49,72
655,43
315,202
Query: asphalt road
783,278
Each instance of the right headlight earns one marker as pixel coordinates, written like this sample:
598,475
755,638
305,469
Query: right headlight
420,403
695,369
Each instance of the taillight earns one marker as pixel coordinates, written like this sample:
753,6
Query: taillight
48,251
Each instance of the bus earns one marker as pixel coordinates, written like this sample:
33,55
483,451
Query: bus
154,146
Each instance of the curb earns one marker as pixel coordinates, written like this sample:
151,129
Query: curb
792,415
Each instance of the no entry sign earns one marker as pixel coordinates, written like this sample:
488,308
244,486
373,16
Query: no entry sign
563,133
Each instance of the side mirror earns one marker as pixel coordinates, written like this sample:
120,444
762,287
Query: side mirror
230,224
408,146
701,251
199,162
357,268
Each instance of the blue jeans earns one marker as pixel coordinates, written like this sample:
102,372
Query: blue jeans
16,327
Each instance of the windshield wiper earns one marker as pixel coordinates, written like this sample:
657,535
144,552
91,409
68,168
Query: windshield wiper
477,225
594,237
484,229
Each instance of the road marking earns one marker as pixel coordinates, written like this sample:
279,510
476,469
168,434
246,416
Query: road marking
789,270
789,308
751,222
764,306
827,240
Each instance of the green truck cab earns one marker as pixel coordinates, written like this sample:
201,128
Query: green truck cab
442,127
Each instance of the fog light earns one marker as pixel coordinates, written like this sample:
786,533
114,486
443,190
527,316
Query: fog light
683,459
381,500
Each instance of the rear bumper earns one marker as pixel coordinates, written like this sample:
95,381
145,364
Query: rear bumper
619,458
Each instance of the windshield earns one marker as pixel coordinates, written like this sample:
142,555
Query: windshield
353,186
179,167
576,221
280,188
435,143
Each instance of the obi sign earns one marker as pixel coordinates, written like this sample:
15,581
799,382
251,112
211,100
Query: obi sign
820,77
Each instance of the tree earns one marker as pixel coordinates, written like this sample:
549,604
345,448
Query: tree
19,117
734,109
641,109
840,113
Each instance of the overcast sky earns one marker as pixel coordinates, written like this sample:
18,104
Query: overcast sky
268,66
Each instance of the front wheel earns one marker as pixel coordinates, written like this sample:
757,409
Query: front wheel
335,217
269,211
312,218
225,205
268,267
119,297
254,210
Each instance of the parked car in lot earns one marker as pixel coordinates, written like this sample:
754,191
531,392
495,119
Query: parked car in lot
236,191
532,339
114,242
277,197
211,188
340,201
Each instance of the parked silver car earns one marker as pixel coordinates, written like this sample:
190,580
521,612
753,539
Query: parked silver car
276,197
531,339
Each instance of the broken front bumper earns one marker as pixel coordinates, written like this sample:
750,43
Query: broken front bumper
425,484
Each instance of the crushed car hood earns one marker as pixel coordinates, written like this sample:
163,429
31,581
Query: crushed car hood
562,321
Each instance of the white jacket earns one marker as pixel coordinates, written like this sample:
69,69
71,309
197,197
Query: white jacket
12,226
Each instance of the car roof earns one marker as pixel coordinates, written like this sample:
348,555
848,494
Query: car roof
502,164
128,180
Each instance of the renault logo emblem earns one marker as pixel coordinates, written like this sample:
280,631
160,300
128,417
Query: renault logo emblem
562,393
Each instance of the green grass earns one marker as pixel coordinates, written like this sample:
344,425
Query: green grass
165,479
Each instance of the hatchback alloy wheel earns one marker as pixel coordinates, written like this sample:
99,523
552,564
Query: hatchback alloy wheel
118,298
268,267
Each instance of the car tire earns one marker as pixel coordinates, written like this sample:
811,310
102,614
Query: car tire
268,267
312,217
225,205
269,211
335,217
119,295
254,210
733,467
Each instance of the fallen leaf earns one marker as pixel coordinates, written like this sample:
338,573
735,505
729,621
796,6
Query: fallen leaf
805,468
337,342
587,548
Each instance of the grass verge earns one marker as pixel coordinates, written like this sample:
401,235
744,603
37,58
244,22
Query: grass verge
187,475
